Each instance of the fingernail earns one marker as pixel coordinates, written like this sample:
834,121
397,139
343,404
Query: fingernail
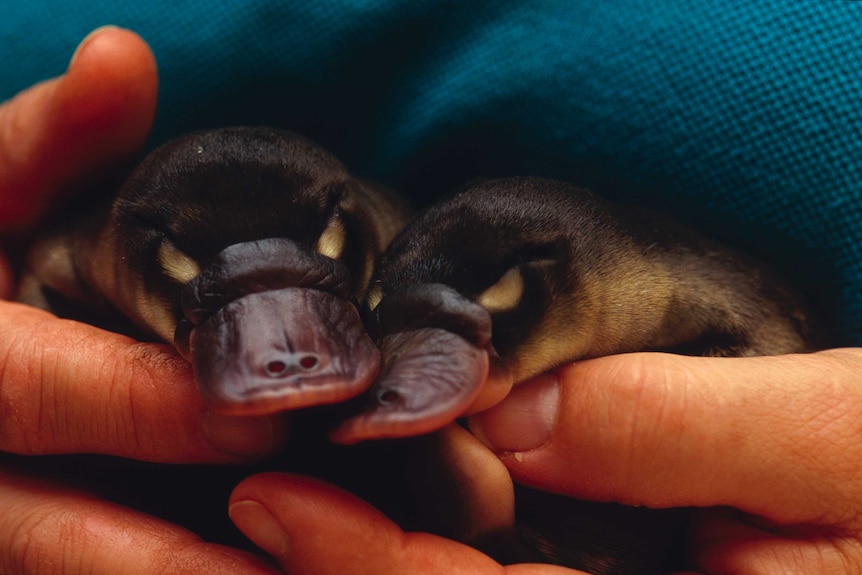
87,40
249,437
259,525
524,420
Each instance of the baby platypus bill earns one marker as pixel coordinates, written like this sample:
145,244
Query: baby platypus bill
244,247
535,273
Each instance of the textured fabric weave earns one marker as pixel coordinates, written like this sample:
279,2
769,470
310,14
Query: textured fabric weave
742,118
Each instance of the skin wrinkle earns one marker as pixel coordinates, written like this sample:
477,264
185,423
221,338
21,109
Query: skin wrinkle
850,552
141,379
18,549
55,405
640,380
748,439
80,537
184,558
35,444
42,521
687,406
133,376
633,386
634,380
77,546
67,427
21,400
139,376
69,529
669,413
29,425
121,395
90,536
8,409
826,556
13,424
815,438
789,445
671,419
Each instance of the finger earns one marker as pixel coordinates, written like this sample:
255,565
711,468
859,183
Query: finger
774,436
497,386
311,527
67,387
62,130
45,528
723,542
6,277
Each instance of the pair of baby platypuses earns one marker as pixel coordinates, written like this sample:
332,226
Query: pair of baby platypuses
288,284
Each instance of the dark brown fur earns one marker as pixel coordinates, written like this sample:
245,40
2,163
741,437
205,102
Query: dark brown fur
202,193
597,280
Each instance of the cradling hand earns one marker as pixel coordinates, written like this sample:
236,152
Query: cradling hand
767,448
66,387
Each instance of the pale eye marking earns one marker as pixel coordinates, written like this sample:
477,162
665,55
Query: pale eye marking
504,295
177,265
374,297
331,242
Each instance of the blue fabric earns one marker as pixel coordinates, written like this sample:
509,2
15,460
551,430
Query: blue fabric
742,118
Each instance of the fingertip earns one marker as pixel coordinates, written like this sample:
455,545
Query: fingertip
663,430
612,437
524,420
305,523
86,41
113,80
259,525
306,499
67,130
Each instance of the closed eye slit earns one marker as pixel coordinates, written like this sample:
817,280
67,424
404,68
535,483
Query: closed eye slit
177,265
374,297
506,294
332,240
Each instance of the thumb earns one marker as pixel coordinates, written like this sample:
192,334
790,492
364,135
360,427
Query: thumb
59,131
771,436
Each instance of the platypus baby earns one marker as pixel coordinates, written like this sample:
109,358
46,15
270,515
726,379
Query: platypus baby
537,273
244,247
528,274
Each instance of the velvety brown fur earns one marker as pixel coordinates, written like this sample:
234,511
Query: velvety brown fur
202,193
589,279
573,277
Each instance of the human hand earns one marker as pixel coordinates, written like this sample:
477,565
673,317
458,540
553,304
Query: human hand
767,447
66,387
309,526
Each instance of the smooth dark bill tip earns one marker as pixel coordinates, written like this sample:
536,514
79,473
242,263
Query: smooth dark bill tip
429,378
281,350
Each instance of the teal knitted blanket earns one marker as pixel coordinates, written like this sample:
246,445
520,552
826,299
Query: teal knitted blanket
743,119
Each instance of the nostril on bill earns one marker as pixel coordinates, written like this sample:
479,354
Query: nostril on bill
275,368
388,396
282,367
